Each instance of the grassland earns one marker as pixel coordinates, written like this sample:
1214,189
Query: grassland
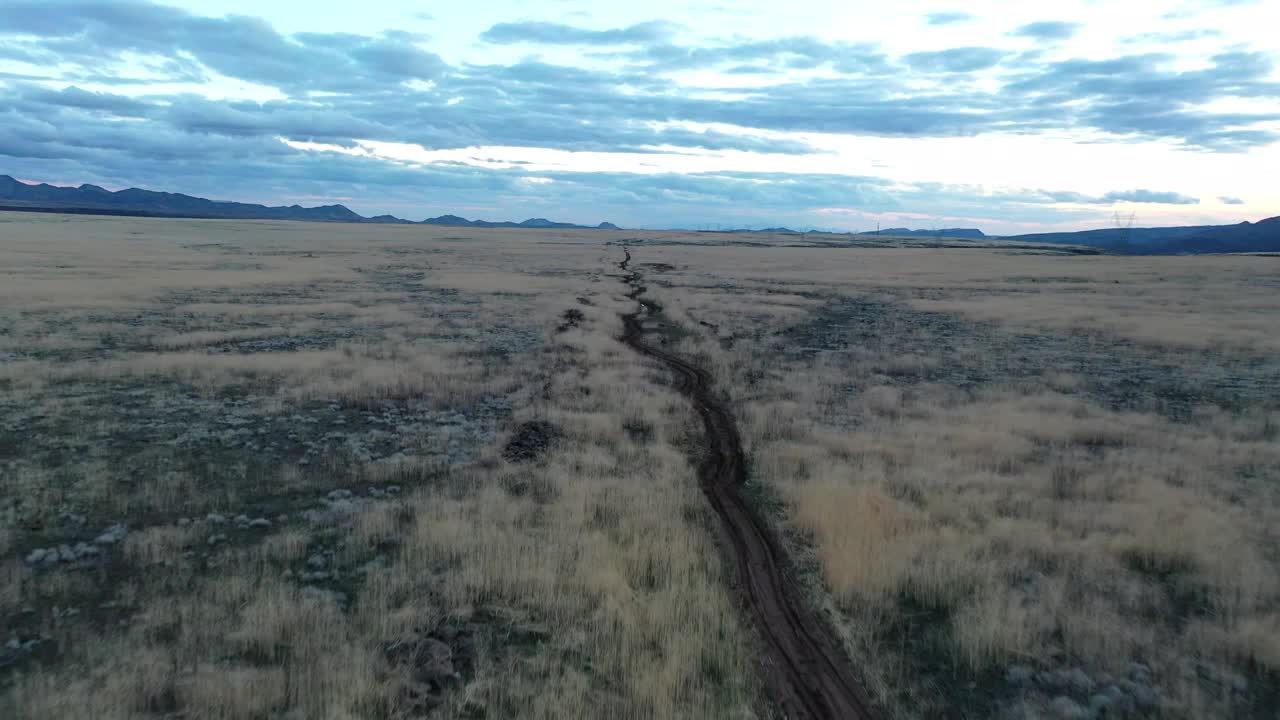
256,469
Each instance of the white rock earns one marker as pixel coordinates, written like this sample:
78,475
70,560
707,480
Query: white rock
215,519
112,535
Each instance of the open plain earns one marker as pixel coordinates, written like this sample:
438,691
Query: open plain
296,470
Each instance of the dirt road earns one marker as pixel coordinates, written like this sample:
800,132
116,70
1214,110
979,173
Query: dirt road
806,672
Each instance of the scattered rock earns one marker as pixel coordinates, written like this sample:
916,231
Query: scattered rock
215,519
66,554
1145,697
317,594
1077,680
1064,708
217,538
183,522
1019,676
260,523
1049,680
317,561
36,557
112,535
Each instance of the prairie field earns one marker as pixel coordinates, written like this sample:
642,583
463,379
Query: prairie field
302,470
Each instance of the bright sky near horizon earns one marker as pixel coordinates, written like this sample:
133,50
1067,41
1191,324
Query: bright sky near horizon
1009,116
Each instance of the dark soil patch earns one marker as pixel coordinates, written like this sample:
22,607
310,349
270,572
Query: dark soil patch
572,317
530,441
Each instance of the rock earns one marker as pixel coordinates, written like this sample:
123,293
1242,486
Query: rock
217,538
1235,681
317,561
183,522
66,554
1100,703
36,557
1064,708
1077,680
435,664
112,535
1140,673
1050,680
260,523
338,495
14,644
1019,710
242,519
1145,697
1018,675
311,592
215,519
85,550
317,576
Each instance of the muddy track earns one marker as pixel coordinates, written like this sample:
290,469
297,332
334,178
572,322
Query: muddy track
806,671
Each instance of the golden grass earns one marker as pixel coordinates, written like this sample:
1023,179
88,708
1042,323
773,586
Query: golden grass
1034,519
587,581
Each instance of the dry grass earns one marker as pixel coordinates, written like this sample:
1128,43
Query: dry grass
953,511
175,369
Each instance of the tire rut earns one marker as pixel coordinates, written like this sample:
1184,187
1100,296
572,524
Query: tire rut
807,674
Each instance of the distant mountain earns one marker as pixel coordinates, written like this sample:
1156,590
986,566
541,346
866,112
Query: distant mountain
1262,236
91,199
972,233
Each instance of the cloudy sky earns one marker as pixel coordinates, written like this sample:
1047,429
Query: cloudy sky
1009,116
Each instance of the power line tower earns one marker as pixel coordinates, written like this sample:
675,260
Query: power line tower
1125,226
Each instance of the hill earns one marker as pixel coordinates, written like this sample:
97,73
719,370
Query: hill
1262,236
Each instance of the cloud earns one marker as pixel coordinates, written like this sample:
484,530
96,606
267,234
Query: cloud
954,60
796,52
1048,30
947,18
550,33
1149,196
1228,200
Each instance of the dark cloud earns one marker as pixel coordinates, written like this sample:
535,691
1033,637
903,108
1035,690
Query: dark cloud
550,33
955,60
1228,200
1048,30
947,18
93,34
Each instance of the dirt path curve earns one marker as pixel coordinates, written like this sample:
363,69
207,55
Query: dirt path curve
807,673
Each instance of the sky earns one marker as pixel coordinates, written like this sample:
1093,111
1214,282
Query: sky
1012,117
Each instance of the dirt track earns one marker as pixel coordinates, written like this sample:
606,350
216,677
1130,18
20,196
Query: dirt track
806,672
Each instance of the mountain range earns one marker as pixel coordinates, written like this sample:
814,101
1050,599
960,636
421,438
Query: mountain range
1262,236
91,199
